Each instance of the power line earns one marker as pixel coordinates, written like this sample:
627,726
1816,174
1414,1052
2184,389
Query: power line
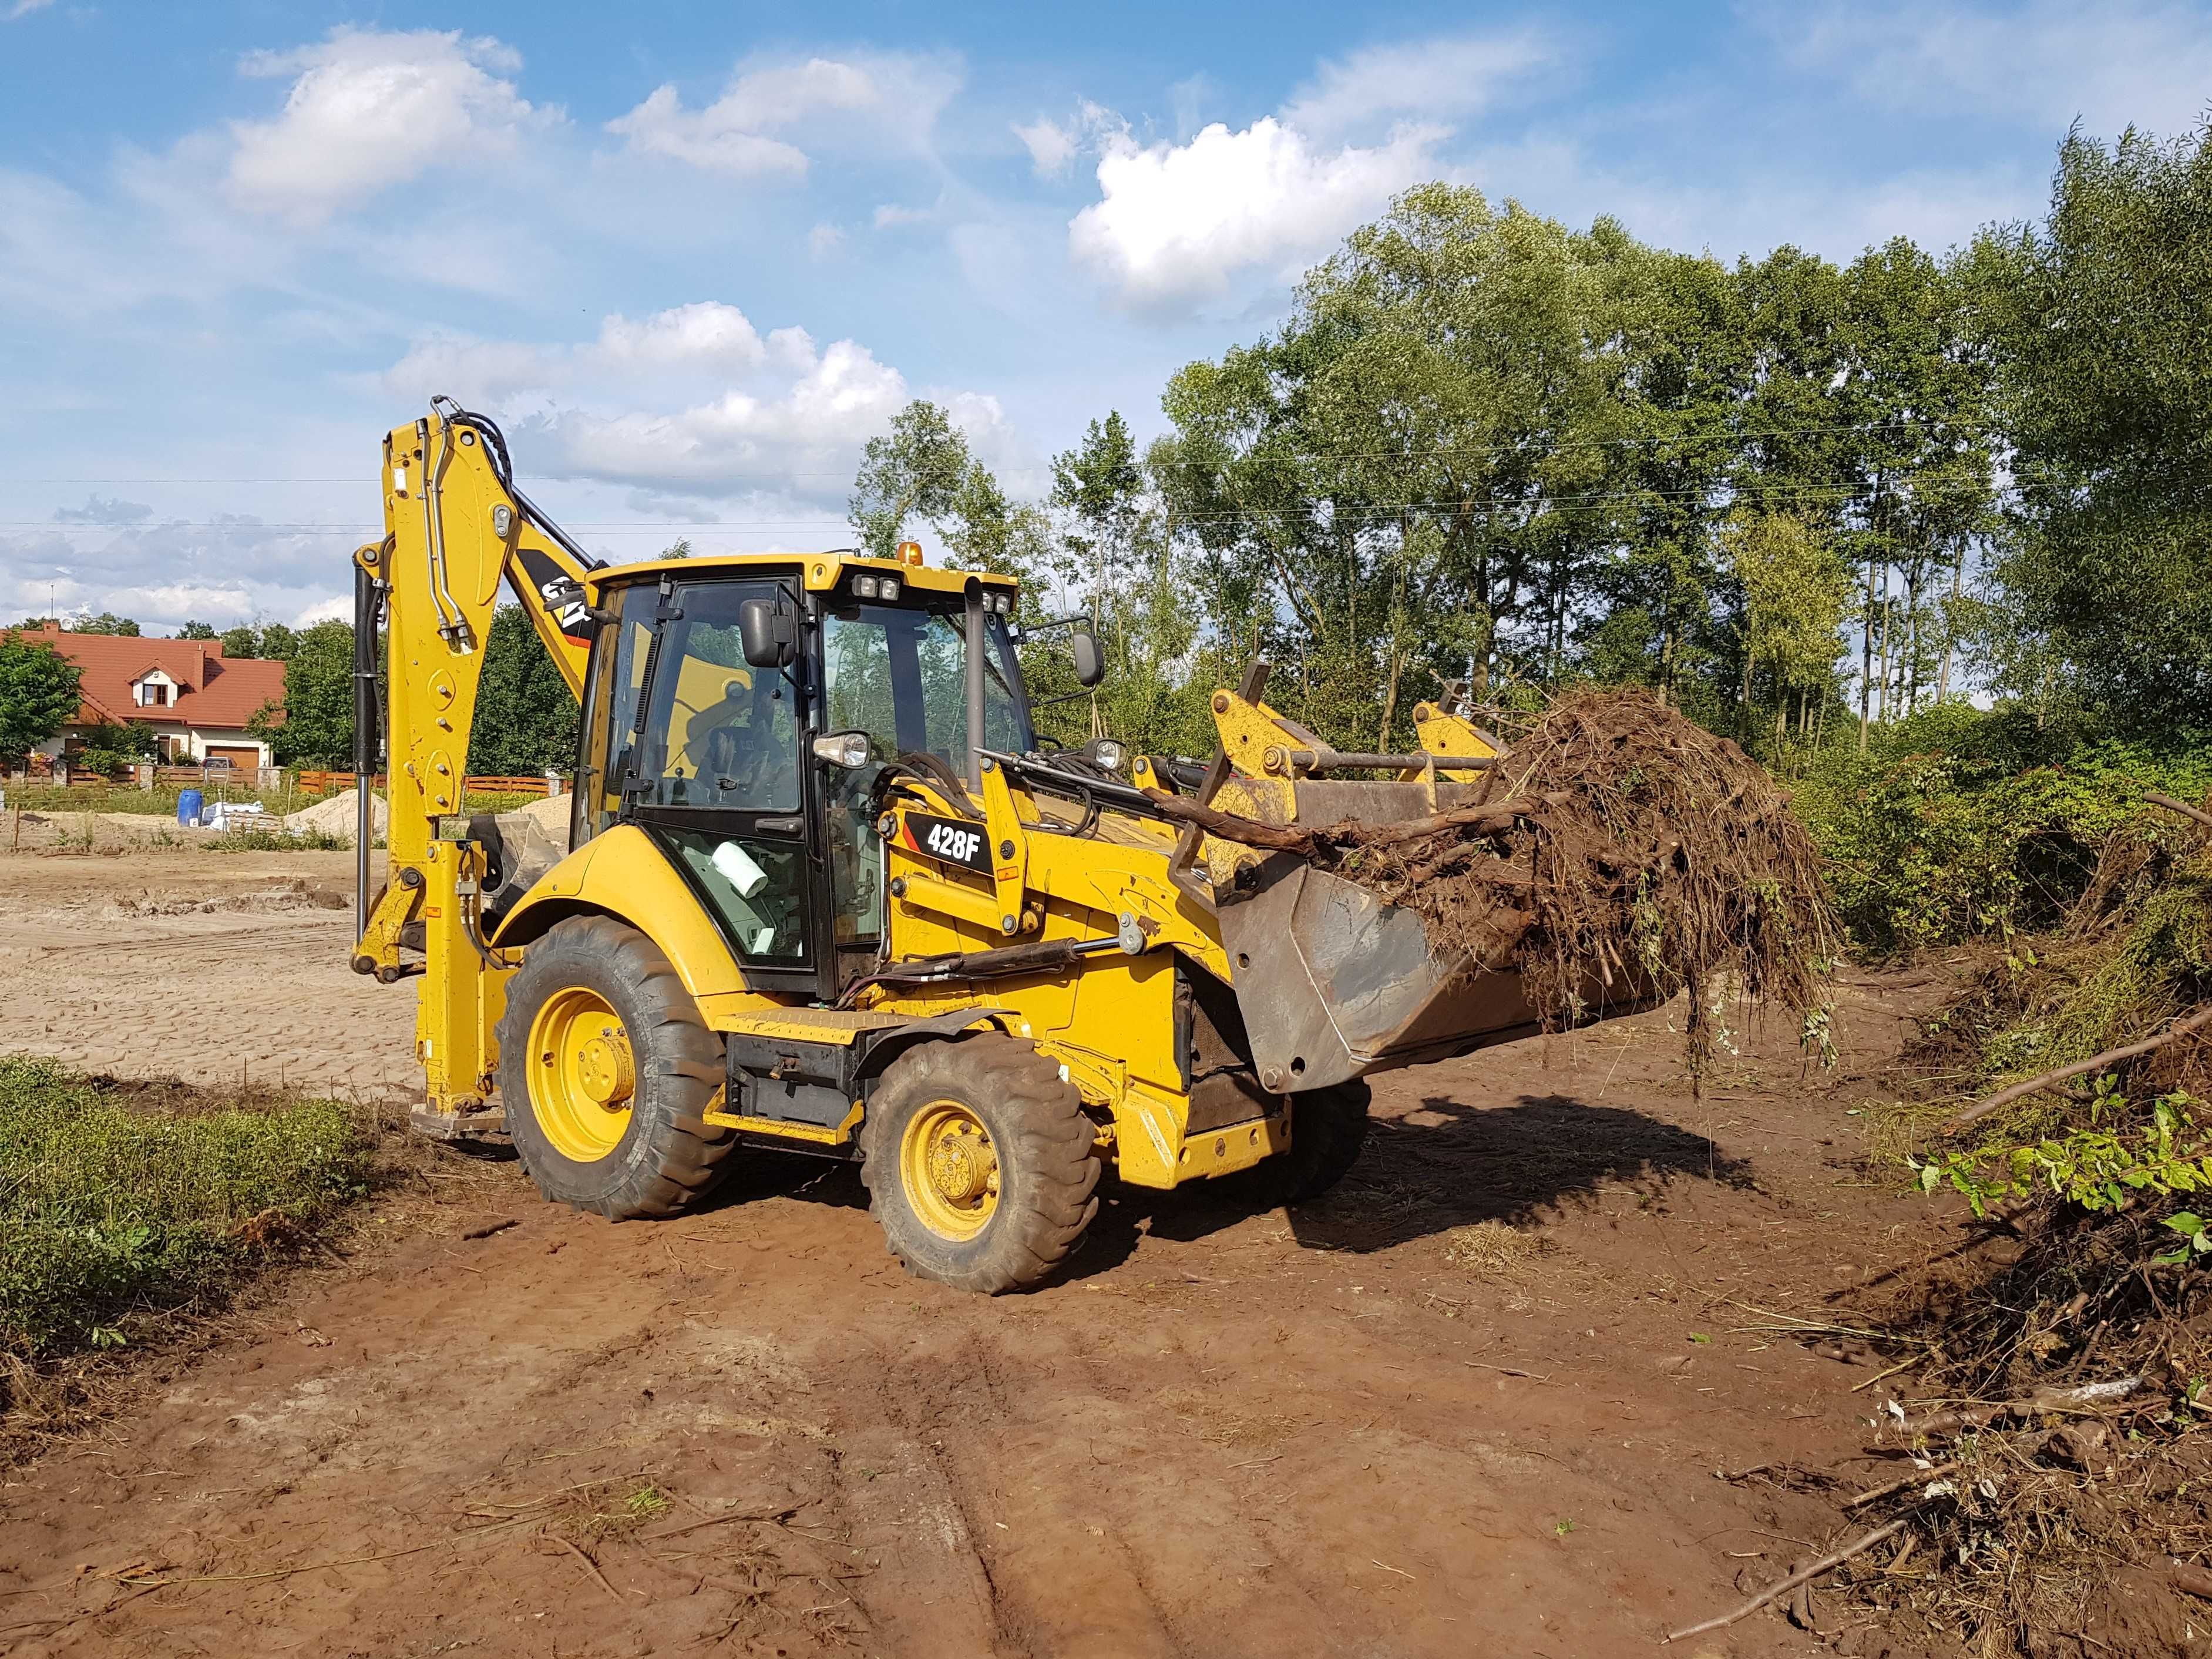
1757,436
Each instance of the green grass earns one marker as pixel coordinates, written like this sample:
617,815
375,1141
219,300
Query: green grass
275,840
116,1202
47,798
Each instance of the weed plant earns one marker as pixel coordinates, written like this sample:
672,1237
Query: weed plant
111,1208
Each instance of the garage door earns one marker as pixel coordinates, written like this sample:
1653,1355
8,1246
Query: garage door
244,757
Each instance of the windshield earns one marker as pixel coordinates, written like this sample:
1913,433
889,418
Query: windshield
900,675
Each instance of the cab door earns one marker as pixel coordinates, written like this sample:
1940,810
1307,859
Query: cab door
704,753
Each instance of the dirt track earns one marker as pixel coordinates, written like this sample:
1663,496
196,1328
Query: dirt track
1222,1433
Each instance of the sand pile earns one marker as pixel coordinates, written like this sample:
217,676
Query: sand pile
336,816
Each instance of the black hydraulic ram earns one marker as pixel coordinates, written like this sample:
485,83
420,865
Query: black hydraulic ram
367,723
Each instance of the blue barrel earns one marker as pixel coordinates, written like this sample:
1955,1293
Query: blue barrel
188,806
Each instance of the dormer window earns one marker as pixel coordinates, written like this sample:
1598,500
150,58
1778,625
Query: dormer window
154,693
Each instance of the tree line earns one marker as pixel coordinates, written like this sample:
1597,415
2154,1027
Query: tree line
1802,500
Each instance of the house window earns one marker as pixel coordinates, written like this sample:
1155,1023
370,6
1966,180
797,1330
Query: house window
152,694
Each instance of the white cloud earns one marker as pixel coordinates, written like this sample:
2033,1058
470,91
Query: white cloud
1051,146
706,338
24,8
369,109
1091,131
1434,79
323,610
793,436
824,240
891,215
231,569
103,509
707,334
662,126
693,400
889,93
1175,221
2047,62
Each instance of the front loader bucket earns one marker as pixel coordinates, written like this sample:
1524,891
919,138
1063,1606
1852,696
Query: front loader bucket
1334,983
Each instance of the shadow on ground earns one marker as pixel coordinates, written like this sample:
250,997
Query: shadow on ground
1412,1181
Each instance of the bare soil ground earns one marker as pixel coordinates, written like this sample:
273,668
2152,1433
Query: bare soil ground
1356,1428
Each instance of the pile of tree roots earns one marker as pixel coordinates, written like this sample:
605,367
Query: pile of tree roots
1618,854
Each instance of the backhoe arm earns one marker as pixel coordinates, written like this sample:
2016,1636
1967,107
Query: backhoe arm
454,526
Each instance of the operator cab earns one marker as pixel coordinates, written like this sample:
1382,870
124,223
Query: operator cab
741,711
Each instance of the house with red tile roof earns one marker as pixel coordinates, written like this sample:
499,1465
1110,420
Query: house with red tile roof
198,701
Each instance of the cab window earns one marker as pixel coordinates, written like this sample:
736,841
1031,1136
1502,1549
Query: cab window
715,732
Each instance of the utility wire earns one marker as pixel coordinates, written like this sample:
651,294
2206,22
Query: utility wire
1471,446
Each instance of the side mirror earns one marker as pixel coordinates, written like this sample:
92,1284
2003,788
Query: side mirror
1090,661
767,629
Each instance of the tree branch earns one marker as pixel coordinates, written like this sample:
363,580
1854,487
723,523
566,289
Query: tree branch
1803,1576
2201,1017
2182,807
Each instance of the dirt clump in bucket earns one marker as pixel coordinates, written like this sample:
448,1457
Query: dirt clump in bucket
1618,851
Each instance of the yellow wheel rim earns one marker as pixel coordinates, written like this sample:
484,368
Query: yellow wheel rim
581,1074
949,1170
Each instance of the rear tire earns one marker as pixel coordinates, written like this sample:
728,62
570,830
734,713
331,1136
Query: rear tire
606,1071
980,1167
1329,1126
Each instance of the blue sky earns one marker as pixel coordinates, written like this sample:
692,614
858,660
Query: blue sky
693,255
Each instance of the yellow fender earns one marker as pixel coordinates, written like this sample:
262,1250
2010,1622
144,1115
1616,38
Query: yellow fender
622,874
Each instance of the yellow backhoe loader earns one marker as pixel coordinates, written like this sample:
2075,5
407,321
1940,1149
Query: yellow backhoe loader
825,892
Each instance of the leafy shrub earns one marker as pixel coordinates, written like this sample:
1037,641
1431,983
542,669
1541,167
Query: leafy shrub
2101,1167
1965,822
106,1207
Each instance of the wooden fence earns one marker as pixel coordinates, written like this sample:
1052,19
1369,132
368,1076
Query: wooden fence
265,780
320,782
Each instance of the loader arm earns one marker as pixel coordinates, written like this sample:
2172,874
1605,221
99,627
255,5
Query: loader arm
455,526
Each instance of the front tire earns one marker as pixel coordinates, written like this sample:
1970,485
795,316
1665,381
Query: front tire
606,1071
980,1167
1329,1126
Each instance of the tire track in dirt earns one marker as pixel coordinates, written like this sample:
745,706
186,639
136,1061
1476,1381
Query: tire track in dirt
1220,1433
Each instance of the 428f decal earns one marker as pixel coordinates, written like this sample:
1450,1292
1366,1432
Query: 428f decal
947,840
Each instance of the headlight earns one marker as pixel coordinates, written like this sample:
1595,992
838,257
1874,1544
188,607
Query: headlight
1108,754
849,750
887,587
864,587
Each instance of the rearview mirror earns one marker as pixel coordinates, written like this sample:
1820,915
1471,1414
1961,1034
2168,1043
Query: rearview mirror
767,629
1090,661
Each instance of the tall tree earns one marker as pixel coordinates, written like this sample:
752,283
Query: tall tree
195,630
1795,587
241,642
2098,318
38,694
316,727
914,471
106,622
1098,486
525,718
1389,481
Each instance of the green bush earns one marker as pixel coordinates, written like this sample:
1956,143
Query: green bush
106,1207
1964,823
